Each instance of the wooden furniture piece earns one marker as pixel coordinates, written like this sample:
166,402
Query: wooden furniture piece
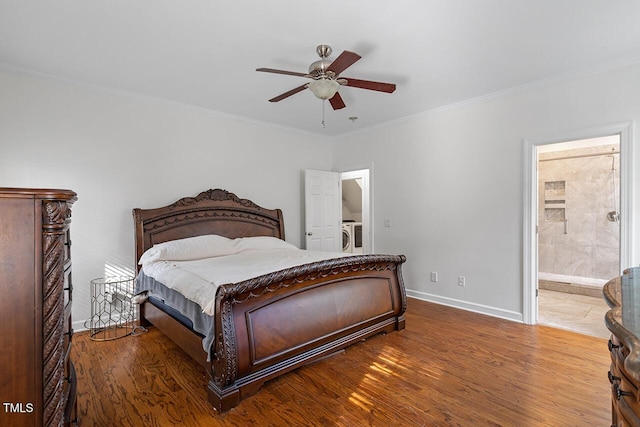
623,320
38,385
272,324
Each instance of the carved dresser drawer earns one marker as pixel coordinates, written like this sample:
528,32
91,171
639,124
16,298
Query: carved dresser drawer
35,308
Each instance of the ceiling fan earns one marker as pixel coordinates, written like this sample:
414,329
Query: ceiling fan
325,82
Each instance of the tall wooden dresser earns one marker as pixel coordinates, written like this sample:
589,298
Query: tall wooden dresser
623,320
37,378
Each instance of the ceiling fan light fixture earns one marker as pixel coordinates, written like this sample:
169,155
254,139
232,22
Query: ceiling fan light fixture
324,88
326,80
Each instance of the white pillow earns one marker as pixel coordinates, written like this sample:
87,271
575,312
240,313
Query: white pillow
207,246
261,243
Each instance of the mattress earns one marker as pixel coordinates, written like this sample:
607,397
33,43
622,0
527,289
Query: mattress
177,306
195,269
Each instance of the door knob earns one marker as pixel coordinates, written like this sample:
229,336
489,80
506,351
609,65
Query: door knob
309,234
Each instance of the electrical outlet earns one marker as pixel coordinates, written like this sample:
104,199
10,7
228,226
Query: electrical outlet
462,281
434,276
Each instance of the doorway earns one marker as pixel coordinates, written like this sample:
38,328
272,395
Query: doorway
356,212
578,231
531,208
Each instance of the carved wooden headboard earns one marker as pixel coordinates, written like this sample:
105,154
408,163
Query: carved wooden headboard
210,212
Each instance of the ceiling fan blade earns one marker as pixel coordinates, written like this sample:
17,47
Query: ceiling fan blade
289,93
337,102
343,61
367,84
288,73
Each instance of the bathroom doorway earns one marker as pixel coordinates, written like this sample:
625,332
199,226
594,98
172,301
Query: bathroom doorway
578,231
531,209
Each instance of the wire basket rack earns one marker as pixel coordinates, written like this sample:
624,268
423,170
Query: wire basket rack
112,312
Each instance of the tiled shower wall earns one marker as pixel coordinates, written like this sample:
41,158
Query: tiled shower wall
579,190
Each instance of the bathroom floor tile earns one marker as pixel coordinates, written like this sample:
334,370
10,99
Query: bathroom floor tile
574,312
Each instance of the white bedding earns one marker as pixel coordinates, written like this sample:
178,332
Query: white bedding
198,279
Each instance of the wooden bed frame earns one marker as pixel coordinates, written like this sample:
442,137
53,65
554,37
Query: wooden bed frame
267,326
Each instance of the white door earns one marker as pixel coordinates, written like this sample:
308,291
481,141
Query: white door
323,204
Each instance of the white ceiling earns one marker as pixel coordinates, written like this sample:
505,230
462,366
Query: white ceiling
204,52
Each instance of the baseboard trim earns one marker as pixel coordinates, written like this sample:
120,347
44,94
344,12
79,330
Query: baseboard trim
466,305
80,326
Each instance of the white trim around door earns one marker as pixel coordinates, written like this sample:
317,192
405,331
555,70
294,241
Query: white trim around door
530,206
367,230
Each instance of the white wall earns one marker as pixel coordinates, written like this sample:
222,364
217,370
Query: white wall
451,182
120,151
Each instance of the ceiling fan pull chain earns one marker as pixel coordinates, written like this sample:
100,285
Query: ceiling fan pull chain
323,102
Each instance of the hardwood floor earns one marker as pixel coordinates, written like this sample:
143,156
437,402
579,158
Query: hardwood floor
447,368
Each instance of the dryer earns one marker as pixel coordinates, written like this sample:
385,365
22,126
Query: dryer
347,237
352,237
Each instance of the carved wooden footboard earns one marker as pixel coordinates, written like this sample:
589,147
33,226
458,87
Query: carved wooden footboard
277,322
274,323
